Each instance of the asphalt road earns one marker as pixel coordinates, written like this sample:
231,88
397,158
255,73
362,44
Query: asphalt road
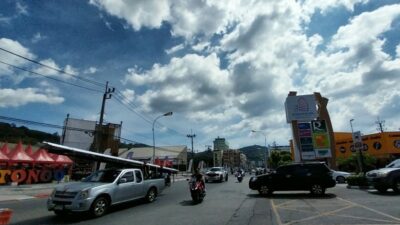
232,203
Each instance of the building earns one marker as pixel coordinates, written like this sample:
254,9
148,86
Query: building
233,159
385,146
220,145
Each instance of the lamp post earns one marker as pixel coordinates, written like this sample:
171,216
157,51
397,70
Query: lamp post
351,125
154,142
266,148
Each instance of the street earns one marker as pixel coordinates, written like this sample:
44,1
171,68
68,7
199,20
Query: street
231,203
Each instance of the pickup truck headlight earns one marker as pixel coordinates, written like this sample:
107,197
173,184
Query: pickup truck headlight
84,194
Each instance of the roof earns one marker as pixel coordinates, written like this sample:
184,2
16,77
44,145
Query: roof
19,155
160,152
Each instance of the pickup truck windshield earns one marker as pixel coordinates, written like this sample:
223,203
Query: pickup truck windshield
215,169
103,176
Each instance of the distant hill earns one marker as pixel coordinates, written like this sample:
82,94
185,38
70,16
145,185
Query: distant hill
254,152
12,134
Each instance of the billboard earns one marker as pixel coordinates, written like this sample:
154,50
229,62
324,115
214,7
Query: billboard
306,142
301,108
321,141
78,133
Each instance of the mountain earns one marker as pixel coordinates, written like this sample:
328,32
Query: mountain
13,134
254,152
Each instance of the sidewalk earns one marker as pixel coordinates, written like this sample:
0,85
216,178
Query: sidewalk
29,191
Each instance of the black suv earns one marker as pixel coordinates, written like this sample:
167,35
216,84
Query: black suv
315,177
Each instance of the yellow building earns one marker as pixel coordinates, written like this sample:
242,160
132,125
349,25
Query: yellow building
385,146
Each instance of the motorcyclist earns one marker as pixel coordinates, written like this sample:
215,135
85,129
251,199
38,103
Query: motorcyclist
199,177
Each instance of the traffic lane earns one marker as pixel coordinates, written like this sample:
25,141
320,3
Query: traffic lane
173,206
339,206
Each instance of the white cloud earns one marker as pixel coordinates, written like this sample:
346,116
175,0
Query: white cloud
147,13
90,70
174,49
21,9
19,97
191,83
38,37
128,96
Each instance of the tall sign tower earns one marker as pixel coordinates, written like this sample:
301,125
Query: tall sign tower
313,137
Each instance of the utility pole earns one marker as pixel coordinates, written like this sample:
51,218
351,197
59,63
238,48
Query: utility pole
191,136
99,135
381,125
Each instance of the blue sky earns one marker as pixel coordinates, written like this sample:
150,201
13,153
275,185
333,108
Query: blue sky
223,69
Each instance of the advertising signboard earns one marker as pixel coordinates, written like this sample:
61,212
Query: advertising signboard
321,142
306,142
301,108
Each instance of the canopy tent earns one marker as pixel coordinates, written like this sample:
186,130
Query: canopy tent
3,157
29,150
60,159
41,156
5,150
18,155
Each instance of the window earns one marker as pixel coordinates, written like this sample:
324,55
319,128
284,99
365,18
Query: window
129,176
138,176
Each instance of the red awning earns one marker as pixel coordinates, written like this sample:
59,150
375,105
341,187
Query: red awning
41,156
61,159
19,155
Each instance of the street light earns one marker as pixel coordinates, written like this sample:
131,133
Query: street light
266,149
351,125
154,142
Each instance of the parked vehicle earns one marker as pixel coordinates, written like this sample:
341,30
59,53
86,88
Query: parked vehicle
315,177
102,189
385,178
197,190
216,174
340,176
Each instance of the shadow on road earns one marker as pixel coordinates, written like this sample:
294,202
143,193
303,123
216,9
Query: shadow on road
293,196
188,203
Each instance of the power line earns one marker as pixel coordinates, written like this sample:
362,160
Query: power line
51,78
52,68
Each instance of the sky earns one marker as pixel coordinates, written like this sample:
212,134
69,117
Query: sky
223,68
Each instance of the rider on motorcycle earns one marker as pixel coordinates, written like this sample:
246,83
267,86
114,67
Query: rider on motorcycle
199,177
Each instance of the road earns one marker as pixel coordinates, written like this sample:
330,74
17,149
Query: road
231,203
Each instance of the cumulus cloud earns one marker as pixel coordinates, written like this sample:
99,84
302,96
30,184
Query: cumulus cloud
90,70
142,13
23,96
38,37
191,83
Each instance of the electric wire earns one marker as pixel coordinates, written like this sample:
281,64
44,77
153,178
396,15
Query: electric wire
52,68
51,78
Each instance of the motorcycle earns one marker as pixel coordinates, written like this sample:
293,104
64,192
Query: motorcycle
197,190
239,177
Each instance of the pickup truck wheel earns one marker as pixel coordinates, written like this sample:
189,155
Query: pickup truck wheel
317,189
396,185
151,195
99,206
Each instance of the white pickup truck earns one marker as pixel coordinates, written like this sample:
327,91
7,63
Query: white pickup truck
101,189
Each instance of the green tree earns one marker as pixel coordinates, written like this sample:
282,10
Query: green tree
278,158
350,164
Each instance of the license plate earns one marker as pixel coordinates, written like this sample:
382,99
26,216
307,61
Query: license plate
58,207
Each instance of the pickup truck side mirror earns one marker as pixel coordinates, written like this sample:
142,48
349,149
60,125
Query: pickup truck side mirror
122,180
